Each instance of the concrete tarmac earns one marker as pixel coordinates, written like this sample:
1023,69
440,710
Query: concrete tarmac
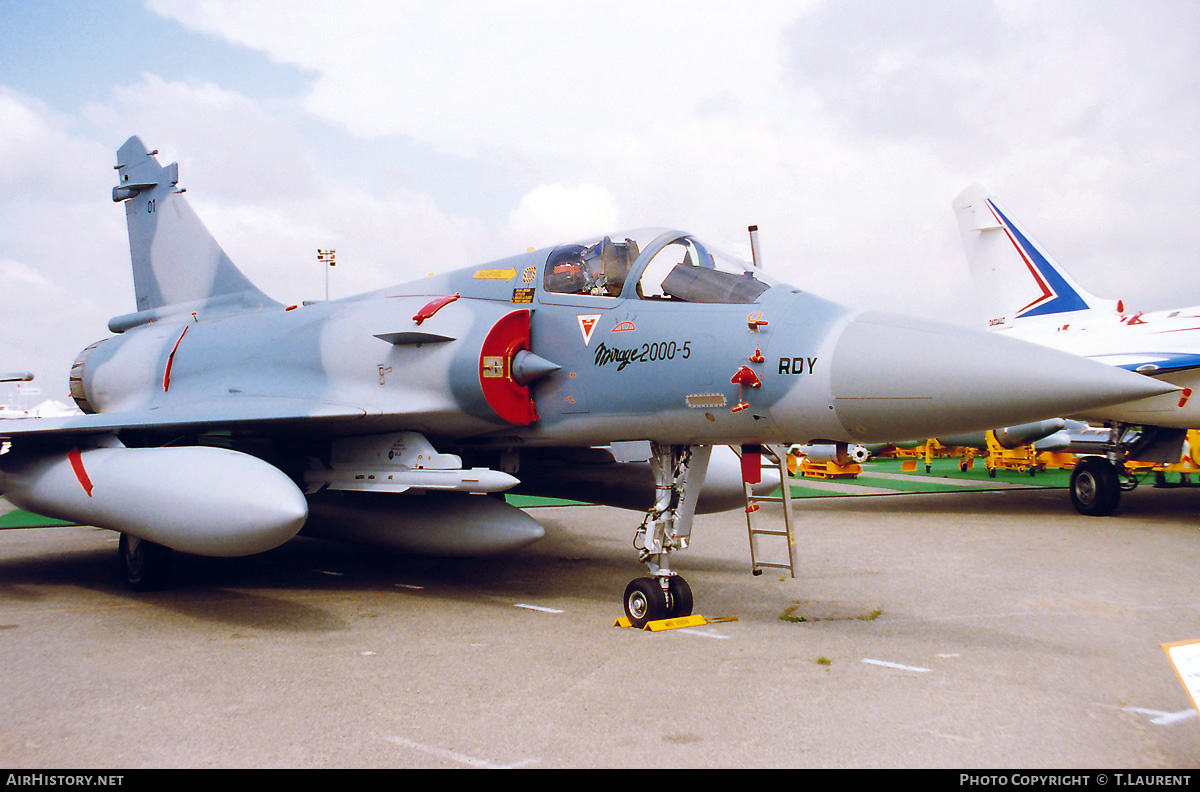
959,630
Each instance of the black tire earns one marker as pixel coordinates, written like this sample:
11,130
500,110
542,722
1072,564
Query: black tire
681,598
991,472
146,565
644,602
1095,488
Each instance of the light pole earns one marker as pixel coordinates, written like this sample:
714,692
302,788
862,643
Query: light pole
328,258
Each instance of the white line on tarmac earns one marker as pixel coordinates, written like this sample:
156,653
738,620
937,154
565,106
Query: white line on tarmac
1163,718
701,633
537,608
453,756
898,666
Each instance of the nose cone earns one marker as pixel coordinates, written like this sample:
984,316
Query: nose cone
895,377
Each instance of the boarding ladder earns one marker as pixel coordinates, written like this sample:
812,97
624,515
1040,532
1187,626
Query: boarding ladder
769,544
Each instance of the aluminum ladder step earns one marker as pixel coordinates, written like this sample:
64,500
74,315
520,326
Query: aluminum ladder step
758,524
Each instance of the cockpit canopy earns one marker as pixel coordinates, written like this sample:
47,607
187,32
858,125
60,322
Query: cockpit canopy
652,264
597,268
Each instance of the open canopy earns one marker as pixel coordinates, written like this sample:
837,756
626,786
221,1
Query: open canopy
652,264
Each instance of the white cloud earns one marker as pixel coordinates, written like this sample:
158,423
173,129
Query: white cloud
553,213
550,78
61,241
227,144
39,157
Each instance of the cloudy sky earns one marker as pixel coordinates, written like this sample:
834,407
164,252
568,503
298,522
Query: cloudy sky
422,136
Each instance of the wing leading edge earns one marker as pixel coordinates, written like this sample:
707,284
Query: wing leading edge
246,413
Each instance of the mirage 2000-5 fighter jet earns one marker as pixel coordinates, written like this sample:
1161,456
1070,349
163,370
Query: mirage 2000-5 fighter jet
222,423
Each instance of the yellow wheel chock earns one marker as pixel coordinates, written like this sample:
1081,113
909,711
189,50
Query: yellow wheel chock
695,620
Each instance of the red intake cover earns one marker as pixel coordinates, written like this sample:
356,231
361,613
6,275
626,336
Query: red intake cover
510,400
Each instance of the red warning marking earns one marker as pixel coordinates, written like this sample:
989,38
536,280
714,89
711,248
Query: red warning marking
587,324
171,360
1187,394
432,307
76,460
746,376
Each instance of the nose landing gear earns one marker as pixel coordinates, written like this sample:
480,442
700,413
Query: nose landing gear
678,476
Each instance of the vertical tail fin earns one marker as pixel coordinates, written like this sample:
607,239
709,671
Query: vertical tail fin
1014,276
175,259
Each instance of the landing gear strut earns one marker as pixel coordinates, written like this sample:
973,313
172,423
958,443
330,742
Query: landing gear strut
1097,481
678,476
147,566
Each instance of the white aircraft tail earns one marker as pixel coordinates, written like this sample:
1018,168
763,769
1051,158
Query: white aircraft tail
1014,276
176,262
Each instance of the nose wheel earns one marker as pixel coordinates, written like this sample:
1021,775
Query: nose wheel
648,599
